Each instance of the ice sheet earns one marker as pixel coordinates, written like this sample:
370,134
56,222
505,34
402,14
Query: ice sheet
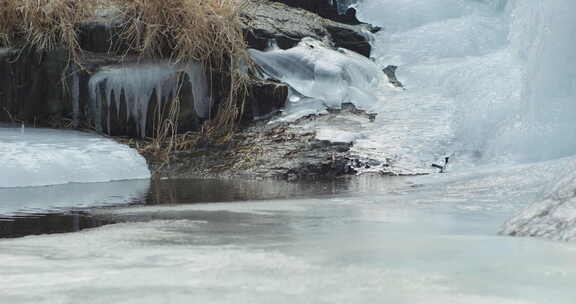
37,157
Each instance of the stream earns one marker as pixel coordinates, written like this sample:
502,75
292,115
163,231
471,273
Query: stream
489,84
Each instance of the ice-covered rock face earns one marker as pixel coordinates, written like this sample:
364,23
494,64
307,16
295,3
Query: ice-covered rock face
553,217
38,157
329,77
138,83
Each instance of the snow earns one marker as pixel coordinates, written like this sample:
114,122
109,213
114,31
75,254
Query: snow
38,157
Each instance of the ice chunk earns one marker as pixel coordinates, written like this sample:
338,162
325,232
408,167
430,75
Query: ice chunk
139,83
38,157
321,73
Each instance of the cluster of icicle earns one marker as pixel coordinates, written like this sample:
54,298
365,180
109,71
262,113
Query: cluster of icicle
138,84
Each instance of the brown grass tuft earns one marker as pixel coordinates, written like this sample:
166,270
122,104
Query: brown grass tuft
183,29
43,24
206,31
191,30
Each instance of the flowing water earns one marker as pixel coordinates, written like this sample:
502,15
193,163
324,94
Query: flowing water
489,83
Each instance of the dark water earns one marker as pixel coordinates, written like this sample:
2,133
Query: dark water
174,192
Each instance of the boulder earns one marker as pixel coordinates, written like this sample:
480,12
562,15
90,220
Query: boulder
48,88
339,11
31,86
350,38
265,98
263,22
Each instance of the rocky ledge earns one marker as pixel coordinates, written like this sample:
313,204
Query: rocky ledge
264,20
272,149
46,89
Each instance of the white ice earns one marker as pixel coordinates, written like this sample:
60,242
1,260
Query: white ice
138,82
325,77
38,157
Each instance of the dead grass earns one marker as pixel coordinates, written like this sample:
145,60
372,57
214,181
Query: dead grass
43,24
206,31
183,29
192,30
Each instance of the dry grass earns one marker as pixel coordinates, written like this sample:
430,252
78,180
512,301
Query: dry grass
207,31
183,29
43,24
192,30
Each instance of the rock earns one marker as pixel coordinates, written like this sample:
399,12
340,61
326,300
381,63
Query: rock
263,21
348,107
390,72
552,218
276,149
339,11
101,37
49,89
265,98
45,89
31,87
350,38
102,33
329,9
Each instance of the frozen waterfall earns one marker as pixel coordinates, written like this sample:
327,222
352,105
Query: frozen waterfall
498,75
541,36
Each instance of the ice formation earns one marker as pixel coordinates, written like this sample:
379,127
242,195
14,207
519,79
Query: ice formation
541,36
38,157
75,96
139,83
554,216
321,73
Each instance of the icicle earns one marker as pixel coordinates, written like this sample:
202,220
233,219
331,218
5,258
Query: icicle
140,83
200,91
94,86
75,96
117,98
